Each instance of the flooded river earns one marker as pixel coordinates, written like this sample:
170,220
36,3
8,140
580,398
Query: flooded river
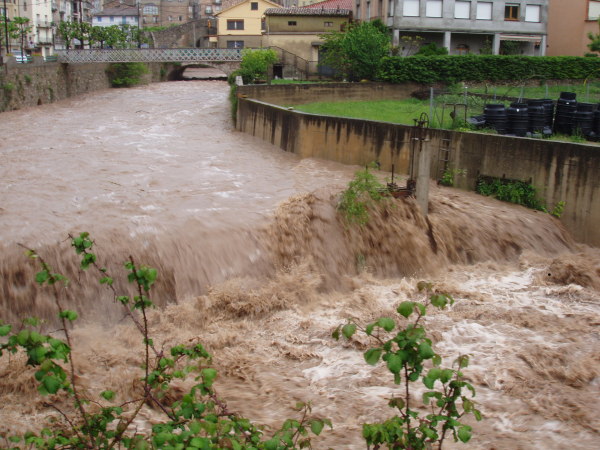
256,263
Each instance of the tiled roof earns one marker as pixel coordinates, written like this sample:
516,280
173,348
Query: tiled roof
307,12
121,11
332,4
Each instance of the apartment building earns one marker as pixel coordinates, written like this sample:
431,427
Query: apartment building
472,26
569,23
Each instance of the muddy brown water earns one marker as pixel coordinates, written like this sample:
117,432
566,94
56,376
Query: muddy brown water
256,263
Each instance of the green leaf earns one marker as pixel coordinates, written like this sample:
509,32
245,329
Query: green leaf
394,363
372,356
406,309
369,329
107,395
316,426
51,384
194,427
464,433
68,314
348,330
208,376
336,333
386,323
425,351
5,329
42,276
106,280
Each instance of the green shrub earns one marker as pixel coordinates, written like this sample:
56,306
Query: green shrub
127,74
362,192
198,419
451,69
406,350
512,191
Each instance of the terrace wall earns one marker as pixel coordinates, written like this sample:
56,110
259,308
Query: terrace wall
560,171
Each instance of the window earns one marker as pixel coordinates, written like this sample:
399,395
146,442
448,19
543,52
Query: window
235,44
433,8
112,19
151,9
532,13
511,12
358,10
328,24
235,25
391,4
24,6
462,49
292,23
484,10
99,19
462,10
411,8
593,10
180,18
254,6
368,10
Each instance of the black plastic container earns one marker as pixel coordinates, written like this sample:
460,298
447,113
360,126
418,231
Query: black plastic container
583,119
565,112
518,119
495,117
549,112
537,115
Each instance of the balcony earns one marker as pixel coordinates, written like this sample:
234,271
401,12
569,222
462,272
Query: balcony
44,24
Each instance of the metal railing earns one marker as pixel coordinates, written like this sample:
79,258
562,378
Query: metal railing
150,55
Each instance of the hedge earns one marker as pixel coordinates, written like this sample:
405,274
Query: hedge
450,69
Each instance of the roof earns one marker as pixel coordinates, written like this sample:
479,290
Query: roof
120,11
332,4
228,4
307,12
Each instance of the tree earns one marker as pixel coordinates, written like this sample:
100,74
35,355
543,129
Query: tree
67,32
7,27
594,46
20,30
356,54
255,64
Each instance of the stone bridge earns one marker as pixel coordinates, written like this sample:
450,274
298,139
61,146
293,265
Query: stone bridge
224,59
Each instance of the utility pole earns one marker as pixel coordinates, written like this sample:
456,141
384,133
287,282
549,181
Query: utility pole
6,28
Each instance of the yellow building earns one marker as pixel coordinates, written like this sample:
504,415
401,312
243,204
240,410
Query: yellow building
241,25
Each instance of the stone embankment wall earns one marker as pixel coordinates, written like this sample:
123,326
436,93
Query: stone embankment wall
561,171
24,85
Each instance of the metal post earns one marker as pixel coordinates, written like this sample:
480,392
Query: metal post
422,192
431,102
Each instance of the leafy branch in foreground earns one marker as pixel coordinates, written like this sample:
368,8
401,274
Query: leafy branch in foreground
406,350
199,420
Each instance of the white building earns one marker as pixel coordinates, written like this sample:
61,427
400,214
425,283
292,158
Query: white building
119,15
472,26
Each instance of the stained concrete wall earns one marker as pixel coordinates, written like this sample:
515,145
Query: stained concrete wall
24,85
561,171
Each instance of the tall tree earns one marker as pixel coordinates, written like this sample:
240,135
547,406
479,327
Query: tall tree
356,53
21,29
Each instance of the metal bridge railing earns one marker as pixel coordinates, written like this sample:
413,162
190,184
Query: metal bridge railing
150,55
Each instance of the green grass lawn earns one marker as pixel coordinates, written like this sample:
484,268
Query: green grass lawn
395,111
586,92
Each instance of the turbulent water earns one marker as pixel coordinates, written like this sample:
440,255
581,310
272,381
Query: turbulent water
256,263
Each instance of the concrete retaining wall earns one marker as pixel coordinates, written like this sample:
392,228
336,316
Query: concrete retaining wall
24,85
561,171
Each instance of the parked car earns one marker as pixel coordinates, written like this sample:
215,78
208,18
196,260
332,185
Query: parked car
22,58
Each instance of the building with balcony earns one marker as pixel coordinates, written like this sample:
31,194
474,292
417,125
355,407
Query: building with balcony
569,23
473,26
